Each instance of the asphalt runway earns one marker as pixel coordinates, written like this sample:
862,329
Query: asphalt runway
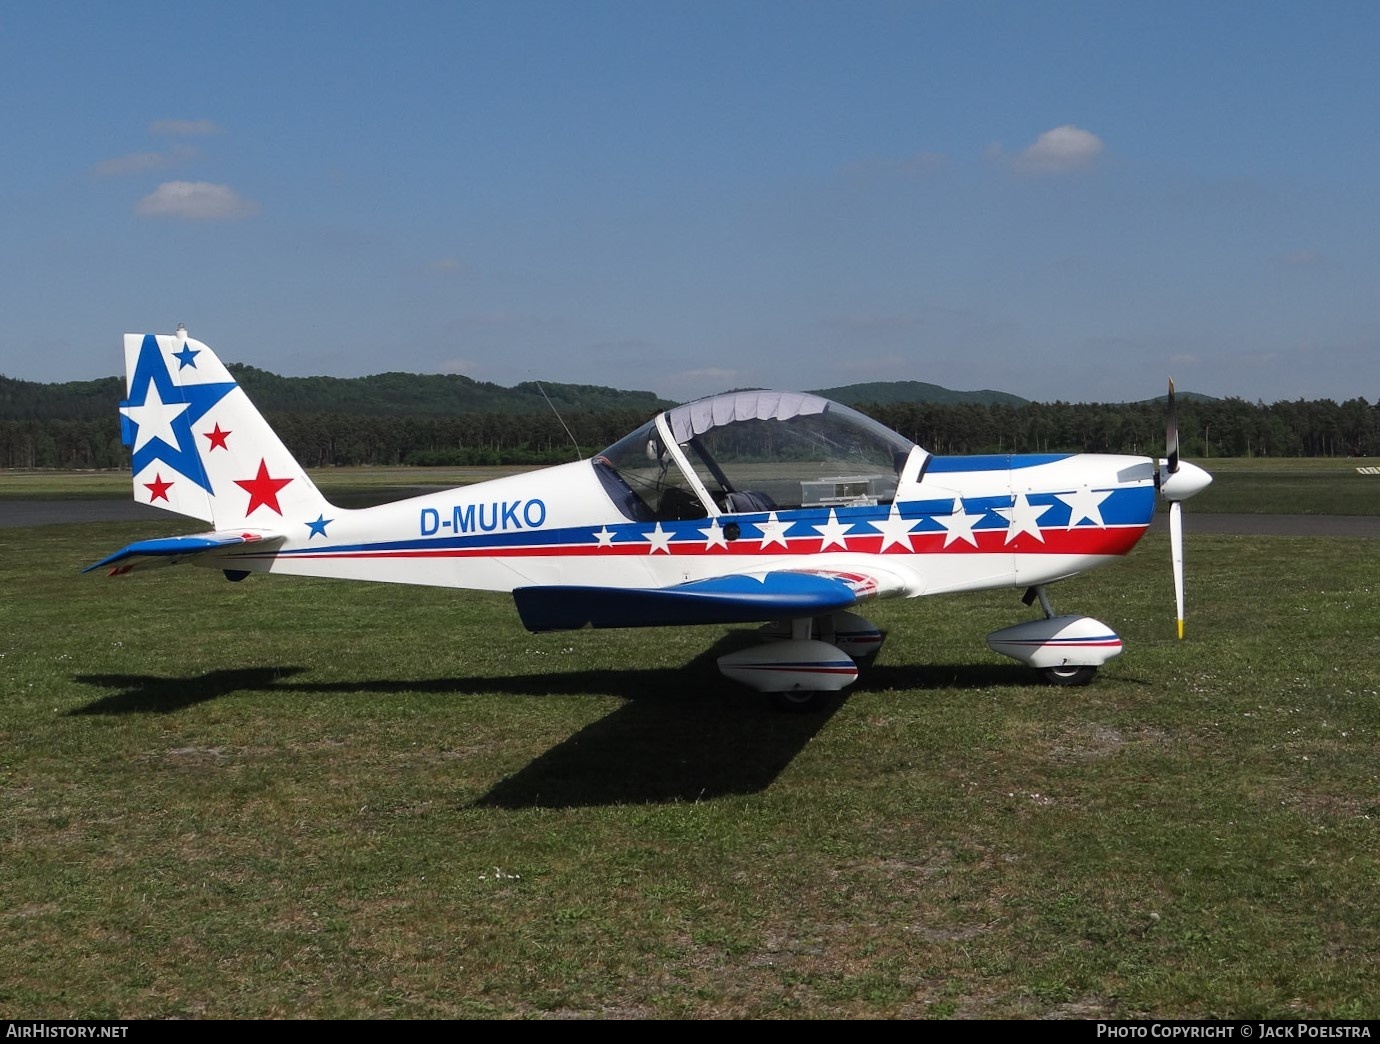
55,512
1274,525
15,513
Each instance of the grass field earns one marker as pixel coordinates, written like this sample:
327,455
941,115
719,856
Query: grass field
1295,485
294,798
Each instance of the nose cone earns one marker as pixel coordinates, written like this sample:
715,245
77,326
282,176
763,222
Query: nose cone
1185,482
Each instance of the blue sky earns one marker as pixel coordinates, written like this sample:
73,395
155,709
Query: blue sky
1061,200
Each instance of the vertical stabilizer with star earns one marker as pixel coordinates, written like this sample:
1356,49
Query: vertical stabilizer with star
199,446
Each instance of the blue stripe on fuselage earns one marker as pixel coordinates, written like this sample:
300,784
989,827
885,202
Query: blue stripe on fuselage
992,462
1123,507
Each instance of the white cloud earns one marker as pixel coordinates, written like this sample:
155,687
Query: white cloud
139,162
195,201
184,128
1056,151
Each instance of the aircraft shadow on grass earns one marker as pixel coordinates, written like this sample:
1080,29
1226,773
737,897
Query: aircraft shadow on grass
150,694
681,734
691,738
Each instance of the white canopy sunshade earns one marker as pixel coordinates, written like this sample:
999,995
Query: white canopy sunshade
695,418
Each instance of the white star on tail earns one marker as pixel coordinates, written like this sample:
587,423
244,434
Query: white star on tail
660,540
895,529
155,419
832,532
714,536
1024,518
774,531
959,524
1084,503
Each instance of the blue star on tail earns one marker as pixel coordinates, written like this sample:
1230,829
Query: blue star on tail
152,370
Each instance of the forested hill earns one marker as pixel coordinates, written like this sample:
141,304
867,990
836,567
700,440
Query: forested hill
428,395
886,393
419,394
434,394
75,400
414,419
384,394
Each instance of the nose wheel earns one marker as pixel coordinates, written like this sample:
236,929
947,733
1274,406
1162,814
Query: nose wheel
1065,650
798,701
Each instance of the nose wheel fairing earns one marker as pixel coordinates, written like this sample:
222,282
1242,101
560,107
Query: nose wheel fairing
1066,650
1057,642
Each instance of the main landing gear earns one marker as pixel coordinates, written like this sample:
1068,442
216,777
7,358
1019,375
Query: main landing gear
1066,650
803,659
800,660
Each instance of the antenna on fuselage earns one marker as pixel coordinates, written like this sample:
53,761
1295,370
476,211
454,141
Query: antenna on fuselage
578,454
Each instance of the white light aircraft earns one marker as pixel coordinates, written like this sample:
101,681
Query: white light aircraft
775,507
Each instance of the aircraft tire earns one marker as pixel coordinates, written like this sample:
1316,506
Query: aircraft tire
798,701
1070,675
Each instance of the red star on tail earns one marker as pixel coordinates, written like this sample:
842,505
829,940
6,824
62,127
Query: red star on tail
217,438
262,490
158,489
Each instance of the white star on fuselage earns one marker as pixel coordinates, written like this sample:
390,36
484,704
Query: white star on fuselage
660,540
959,524
1084,503
774,531
1024,518
714,536
605,537
895,529
832,532
154,419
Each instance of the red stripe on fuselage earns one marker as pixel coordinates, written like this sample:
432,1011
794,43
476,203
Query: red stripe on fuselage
1113,540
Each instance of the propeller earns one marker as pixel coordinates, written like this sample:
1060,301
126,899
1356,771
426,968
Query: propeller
1176,552
1176,514
1171,432
1177,481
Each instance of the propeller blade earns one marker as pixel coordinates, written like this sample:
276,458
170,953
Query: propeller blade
1176,549
1171,433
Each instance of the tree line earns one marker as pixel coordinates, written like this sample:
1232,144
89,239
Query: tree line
1208,428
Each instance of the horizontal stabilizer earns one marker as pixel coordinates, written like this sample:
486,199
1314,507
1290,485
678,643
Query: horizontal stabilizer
719,600
166,551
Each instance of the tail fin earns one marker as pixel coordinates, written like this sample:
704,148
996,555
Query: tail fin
200,447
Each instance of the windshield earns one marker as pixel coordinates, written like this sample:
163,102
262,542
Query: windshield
643,479
755,451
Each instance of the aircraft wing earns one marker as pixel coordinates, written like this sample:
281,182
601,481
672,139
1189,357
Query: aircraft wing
736,598
166,551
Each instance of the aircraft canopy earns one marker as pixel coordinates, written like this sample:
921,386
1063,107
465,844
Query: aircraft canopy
753,451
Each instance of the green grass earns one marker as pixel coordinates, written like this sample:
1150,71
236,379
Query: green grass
288,797
1290,485
349,484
